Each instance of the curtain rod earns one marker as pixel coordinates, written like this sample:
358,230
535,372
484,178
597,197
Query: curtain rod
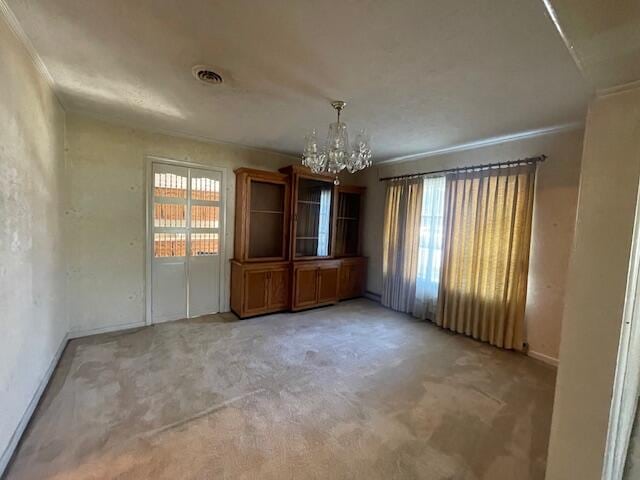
486,166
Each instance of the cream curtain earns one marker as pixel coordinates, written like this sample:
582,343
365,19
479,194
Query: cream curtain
403,208
487,232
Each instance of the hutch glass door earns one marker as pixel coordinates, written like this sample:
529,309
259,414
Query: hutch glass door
347,224
266,225
313,221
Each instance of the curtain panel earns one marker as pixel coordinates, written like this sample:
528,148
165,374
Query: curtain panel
487,234
403,209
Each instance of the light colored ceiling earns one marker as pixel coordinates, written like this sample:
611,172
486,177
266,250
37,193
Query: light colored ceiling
604,38
419,74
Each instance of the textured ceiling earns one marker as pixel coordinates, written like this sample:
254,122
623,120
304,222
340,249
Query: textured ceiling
604,38
420,75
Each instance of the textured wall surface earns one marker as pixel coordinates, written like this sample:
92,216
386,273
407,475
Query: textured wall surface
105,213
553,223
596,287
33,321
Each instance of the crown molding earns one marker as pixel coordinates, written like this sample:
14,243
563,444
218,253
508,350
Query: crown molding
572,51
604,92
16,28
120,122
486,142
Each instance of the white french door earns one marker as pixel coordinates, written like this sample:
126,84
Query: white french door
185,228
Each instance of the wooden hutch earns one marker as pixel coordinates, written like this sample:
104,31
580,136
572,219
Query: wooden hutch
297,241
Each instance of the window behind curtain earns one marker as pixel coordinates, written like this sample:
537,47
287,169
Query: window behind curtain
430,247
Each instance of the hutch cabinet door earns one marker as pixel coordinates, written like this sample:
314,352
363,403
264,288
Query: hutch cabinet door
305,286
353,273
255,291
328,283
347,273
279,288
359,279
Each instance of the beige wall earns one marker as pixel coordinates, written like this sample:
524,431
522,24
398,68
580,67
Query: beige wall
33,321
105,213
553,223
596,287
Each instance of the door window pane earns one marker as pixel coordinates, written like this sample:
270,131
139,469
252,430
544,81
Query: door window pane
169,244
169,185
205,216
169,215
203,188
204,244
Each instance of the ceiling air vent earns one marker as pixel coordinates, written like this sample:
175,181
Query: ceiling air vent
206,75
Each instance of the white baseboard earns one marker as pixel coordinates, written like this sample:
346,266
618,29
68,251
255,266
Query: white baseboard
26,416
109,329
376,297
543,358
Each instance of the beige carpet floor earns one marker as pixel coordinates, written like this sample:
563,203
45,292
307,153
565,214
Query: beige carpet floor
353,391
